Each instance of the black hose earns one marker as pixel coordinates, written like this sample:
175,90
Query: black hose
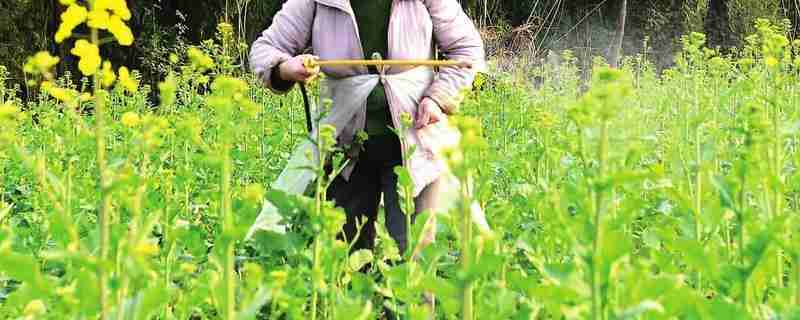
307,106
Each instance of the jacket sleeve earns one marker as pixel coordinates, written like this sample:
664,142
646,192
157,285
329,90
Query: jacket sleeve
458,39
289,33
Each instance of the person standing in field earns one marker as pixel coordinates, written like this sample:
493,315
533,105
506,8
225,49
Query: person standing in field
394,29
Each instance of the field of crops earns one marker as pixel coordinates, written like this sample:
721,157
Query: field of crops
638,195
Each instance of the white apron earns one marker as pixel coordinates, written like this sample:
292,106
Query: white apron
348,113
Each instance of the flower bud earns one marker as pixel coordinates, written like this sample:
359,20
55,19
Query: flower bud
35,308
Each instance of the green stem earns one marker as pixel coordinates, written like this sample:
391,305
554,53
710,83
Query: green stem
740,236
123,289
597,308
228,225
409,247
698,200
777,192
168,261
105,183
698,187
133,236
466,254
728,241
409,209
315,269
797,280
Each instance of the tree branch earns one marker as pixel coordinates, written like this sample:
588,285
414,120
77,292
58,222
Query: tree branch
616,46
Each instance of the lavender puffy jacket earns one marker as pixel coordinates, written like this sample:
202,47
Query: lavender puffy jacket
329,27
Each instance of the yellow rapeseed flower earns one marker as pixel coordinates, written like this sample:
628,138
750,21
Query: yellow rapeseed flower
90,56
108,75
84,97
120,30
66,2
146,248
60,94
250,108
46,85
130,119
8,111
44,60
168,89
279,277
199,59
99,19
188,267
253,193
406,120
101,5
771,61
41,62
71,18
35,308
118,7
546,119
327,134
128,82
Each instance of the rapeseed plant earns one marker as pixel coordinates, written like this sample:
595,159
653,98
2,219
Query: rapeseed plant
640,195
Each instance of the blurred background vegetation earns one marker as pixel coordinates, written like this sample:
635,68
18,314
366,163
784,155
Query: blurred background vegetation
524,29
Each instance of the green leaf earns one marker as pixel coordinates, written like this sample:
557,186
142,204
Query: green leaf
487,264
88,291
721,309
361,283
144,304
4,210
289,204
696,256
267,242
615,245
447,294
359,259
561,271
250,311
22,268
351,309
193,239
403,177
640,309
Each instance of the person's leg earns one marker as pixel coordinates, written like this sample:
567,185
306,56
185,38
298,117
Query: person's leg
395,218
427,200
359,197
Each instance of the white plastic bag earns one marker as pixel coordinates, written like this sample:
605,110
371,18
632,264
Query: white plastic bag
348,113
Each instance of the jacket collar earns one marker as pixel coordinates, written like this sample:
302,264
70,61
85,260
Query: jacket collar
343,5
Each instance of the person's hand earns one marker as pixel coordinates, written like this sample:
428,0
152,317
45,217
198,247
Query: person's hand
428,112
295,69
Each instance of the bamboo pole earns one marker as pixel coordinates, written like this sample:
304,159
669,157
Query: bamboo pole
313,63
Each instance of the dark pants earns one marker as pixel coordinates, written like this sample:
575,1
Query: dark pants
360,196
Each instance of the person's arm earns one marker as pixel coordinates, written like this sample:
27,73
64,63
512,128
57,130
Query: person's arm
458,39
286,37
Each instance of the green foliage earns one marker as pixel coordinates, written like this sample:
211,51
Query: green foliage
744,12
643,196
